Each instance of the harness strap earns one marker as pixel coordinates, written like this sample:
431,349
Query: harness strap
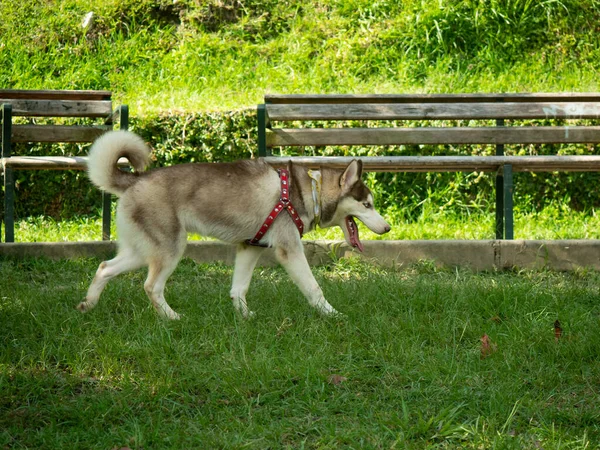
316,181
283,204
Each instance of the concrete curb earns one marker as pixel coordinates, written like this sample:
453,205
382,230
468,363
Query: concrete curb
562,255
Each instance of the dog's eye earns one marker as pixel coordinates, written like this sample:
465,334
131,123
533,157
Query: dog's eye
367,205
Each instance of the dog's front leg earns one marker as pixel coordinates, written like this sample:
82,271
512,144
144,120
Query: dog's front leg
245,260
296,265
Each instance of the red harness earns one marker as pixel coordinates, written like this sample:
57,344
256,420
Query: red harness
283,204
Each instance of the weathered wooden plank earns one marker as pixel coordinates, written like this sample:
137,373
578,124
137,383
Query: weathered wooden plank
59,108
433,98
57,133
435,136
51,162
566,163
434,111
371,164
25,94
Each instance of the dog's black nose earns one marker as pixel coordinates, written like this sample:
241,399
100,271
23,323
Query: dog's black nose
387,229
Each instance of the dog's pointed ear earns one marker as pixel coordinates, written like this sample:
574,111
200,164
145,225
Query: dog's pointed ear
351,175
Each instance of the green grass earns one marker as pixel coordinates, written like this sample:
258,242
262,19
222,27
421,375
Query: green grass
160,55
553,222
403,370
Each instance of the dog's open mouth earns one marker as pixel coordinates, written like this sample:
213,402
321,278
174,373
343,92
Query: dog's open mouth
353,233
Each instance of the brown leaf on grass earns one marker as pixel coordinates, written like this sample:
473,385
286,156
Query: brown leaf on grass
487,346
336,379
557,331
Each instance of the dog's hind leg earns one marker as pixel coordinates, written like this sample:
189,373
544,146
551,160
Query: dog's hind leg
125,261
245,260
294,260
159,270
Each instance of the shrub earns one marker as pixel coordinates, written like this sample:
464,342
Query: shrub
228,136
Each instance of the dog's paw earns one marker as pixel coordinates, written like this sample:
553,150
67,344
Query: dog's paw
327,310
335,314
172,315
83,307
249,315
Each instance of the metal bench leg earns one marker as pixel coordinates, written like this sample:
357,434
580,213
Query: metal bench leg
499,190
124,117
263,123
9,181
9,205
499,206
508,202
106,196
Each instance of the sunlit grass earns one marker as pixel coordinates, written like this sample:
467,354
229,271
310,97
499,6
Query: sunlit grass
553,222
203,56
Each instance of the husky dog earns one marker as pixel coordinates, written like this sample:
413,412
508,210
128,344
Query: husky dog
228,201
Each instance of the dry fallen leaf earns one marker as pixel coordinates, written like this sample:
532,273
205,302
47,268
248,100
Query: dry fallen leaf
557,331
487,346
336,379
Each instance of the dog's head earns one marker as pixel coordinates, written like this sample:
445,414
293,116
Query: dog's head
345,197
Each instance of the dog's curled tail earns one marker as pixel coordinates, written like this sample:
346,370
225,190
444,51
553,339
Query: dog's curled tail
104,155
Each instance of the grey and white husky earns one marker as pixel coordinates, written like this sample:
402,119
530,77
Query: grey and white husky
228,201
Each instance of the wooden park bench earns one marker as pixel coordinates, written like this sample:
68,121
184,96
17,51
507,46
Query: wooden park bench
282,121
95,105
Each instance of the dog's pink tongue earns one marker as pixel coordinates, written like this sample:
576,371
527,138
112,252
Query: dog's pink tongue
353,233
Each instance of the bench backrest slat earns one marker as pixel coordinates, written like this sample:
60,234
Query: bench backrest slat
59,108
434,111
434,136
431,98
18,94
57,133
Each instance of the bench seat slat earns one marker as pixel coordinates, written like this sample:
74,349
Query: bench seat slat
434,111
51,162
567,163
435,136
57,133
370,164
59,108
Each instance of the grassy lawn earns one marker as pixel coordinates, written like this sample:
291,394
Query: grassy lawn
403,370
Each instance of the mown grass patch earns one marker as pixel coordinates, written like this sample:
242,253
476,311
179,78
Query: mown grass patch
403,369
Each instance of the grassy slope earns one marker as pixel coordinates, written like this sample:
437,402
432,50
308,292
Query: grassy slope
161,55
408,355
